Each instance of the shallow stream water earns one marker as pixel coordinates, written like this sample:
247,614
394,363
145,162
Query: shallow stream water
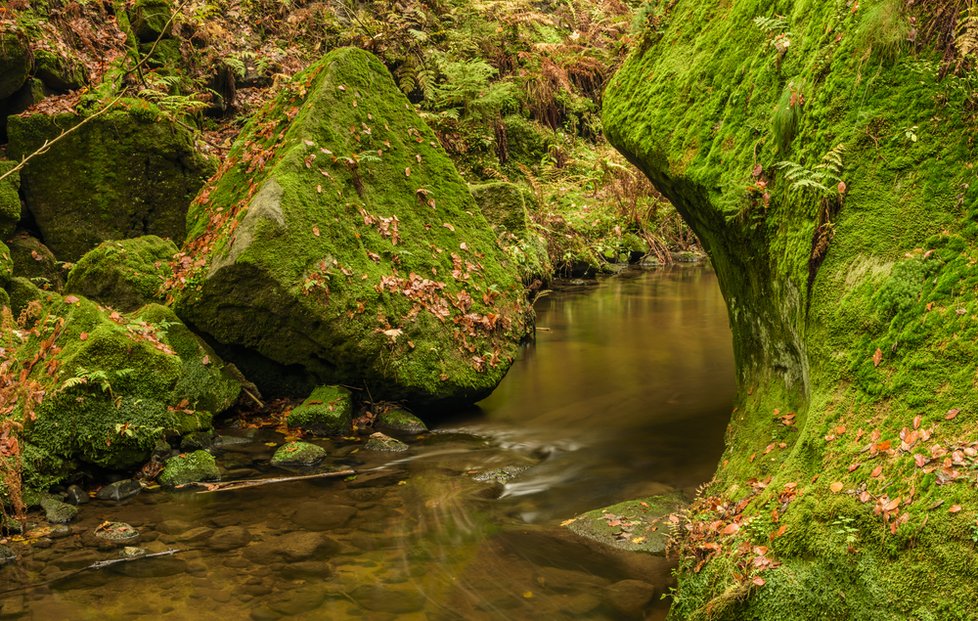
626,393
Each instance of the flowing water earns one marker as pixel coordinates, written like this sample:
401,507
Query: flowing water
626,393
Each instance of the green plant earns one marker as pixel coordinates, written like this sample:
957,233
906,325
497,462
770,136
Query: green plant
824,179
844,526
97,378
787,116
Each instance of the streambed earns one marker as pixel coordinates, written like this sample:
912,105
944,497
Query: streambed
625,394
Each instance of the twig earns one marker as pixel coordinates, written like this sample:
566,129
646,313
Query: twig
94,566
248,483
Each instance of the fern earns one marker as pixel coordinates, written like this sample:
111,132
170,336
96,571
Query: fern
823,179
966,36
771,25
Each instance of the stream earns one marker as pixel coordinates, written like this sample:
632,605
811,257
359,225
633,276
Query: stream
626,393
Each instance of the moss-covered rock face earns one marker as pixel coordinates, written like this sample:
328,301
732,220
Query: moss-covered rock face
851,303
59,73
124,174
190,468
9,199
34,261
339,240
400,421
15,63
150,19
503,204
124,274
101,387
6,265
298,455
327,411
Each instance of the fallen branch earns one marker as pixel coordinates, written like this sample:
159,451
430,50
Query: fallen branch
94,566
247,483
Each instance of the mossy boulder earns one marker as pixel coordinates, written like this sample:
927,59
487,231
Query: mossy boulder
503,204
34,261
400,421
339,244
106,386
6,265
640,525
150,19
9,199
15,62
59,73
850,275
327,411
298,455
125,174
124,274
185,468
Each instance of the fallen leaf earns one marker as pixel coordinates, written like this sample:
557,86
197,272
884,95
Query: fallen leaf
758,581
315,231
877,357
836,487
876,471
71,299
916,421
407,171
954,509
83,336
951,414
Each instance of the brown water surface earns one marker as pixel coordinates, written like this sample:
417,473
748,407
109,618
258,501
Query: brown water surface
627,392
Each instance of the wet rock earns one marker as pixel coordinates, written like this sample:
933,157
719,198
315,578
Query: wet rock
195,535
327,411
124,274
6,555
120,490
196,441
150,19
58,512
298,600
319,570
229,538
116,533
173,527
76,495
298,455
322,517
132,552
59,531
380,598
291,547
381,442
262,288
634,525
92,186
630,597
190,468
500,476
400,421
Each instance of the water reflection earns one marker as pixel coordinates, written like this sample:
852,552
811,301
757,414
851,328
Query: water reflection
626,393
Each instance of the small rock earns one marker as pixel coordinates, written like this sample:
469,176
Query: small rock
382,442
377,598
58,512
190,468
198,440
630,597
120,490
6,555
76,495
59,531
502,476
116,533
327,411
132,552
400,421
298,455
229,538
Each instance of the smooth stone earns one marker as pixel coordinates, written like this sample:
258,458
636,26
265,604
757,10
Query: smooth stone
307,569
132,552
117,533
400,421
298,600
196,441
76,495
120,490
58,512
229,538
291,547
382,442
630,597
194,535
173,527
378,598
59,531
320,518
6,555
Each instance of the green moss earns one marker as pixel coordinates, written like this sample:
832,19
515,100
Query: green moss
109,385
34,261
15,62
327,411
59,73
9,200
298,455
150,19
93,185
503,204
190,468
124,274
400,421
858,339
6,265
358,256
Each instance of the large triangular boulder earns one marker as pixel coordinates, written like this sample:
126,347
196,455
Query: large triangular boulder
339,245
